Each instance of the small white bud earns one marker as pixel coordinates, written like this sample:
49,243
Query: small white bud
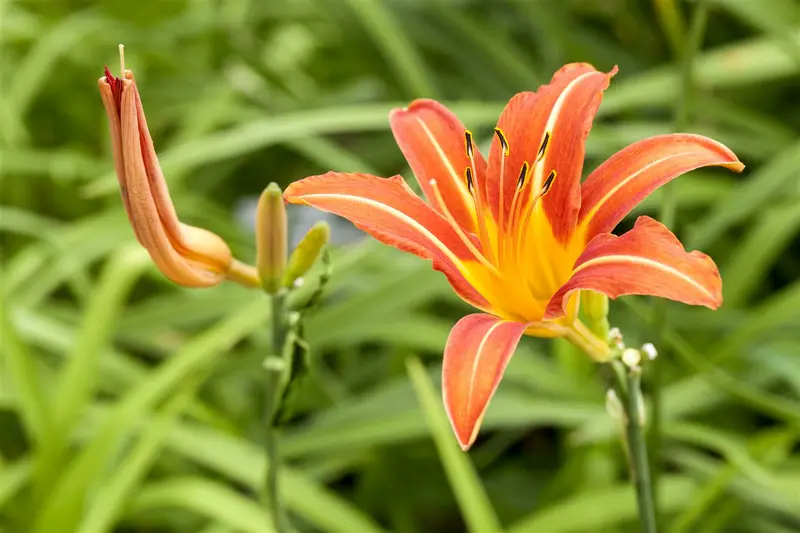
299,282
631,357
649,350
615,338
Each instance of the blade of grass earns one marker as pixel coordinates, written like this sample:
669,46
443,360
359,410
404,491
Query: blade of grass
716,487
601,510
780,309
778,407
773,231
63,508
206,498
243,462
723,443
745,62
20,365
13,478
475,505
744,201
247,137
114,494
78,377
408,64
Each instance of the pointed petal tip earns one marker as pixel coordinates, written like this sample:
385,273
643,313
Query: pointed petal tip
736,166
413,106
478,349
466,430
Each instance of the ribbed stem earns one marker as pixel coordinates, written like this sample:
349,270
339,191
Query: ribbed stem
275,368
637,446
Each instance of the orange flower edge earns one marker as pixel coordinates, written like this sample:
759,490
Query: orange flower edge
517,234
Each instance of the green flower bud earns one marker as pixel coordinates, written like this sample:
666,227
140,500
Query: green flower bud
306,253
595,305
595,308
271,238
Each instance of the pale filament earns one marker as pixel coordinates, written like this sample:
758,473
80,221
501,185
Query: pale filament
479,193
512,221
523,241
122,60
501,137
460,232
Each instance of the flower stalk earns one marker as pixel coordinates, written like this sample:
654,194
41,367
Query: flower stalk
629,411
287,360
637,450
276,373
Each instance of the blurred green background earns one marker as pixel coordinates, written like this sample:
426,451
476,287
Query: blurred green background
150,393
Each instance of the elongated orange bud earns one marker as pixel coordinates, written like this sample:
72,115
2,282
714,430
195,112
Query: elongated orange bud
189,256
271,238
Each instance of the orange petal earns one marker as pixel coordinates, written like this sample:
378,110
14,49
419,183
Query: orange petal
616,186
647,260
433,141
389,210
477,353
547,130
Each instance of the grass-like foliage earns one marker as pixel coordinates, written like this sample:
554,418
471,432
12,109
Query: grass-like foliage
130,405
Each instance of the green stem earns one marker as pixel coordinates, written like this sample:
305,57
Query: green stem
637,450
667,216
275,368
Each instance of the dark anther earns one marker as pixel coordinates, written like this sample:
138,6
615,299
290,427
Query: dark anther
543,148
470,183
468,140
548,183
522,173
503,142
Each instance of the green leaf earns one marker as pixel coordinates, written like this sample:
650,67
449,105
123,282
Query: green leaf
63,507
601,510
742,202
206,498
23,375
475,505
243,461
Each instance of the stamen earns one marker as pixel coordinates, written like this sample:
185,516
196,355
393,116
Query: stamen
548,183
468,141
515,202
470,182
503,142
501,137
122,60
460,232
478,195
522,173
543,148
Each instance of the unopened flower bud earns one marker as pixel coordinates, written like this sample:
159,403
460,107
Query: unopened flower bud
595,305
631,357
187,255
271,244
615,338
649,350
306,253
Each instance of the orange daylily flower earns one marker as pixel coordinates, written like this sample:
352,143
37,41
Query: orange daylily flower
519,236
187,255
